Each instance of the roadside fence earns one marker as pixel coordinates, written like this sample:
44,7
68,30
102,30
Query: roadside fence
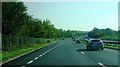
12,41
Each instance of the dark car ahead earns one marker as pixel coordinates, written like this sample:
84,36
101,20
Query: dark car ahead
95,44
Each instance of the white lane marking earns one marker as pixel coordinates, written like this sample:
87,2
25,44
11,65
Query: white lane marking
43,53
30,62
82,53
36,58
49,50
40,55
22,66
46,52
54,47
101,64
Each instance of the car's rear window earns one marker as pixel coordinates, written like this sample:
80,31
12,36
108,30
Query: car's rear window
95,40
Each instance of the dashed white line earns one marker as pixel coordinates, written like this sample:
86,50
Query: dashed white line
40,55
22,66
36,58
53,47
82,53
46,52
49,50
43,53
101,64
30,62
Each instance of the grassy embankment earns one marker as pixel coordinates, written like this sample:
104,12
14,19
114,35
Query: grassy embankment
8,55
113,46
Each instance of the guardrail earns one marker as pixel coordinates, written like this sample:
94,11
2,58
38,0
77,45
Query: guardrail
108,41
111,42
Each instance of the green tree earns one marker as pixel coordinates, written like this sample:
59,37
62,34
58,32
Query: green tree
13,17
103,33
95,33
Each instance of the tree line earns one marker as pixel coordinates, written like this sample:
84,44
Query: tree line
107,33
16,21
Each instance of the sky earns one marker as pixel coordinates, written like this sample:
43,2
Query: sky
83,16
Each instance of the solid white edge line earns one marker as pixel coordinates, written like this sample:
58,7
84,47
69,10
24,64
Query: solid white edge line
30,62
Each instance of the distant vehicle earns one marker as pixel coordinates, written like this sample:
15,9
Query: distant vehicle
77,41
95,44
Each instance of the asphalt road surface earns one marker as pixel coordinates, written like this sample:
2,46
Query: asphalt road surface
67,53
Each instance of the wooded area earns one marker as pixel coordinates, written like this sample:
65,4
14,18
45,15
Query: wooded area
17,22
106,34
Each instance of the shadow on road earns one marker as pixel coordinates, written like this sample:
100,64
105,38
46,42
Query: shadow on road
81,50
86,50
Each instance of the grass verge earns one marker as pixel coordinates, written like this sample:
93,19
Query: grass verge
113,47
8,55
